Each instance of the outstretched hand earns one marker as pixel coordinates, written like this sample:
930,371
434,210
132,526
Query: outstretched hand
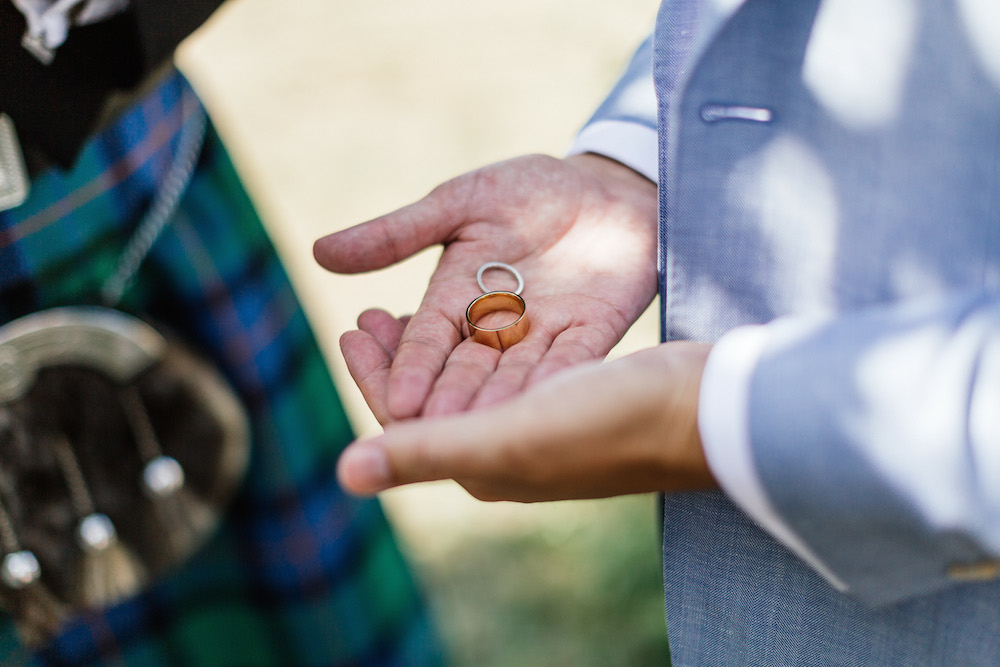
582,233
598,430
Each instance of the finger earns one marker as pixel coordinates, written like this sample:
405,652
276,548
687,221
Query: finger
385,328
423,349
512,371
569,348
467,369
391,238
472,365
368,363
539,356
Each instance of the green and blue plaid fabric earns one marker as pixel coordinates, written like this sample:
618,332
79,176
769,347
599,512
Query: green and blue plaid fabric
299,573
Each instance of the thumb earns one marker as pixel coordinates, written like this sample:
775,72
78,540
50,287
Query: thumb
395,236
363,468
422,450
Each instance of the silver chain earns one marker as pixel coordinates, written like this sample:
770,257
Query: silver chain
161,209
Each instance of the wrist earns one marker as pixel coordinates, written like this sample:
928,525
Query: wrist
608,167
673,372
692,357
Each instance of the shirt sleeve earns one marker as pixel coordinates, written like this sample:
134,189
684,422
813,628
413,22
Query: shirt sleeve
868,443
723,423
624,127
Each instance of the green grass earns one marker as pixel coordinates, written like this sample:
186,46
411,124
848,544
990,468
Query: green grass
580,585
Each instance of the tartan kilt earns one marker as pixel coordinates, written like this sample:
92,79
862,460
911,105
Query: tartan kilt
298,573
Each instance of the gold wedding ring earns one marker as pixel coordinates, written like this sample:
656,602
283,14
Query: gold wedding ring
503,337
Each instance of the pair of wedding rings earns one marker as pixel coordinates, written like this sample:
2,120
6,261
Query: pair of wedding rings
508,334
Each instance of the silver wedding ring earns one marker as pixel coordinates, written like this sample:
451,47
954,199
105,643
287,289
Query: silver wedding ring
504,267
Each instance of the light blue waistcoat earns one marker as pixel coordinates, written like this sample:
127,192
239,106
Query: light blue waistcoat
838,160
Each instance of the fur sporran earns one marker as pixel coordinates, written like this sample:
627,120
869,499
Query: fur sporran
118,452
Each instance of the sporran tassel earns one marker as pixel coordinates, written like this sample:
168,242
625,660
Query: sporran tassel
108,570
37,612
183,517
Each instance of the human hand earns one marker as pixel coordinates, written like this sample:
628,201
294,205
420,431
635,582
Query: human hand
582,232
600,429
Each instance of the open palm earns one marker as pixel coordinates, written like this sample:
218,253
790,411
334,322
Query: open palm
581,231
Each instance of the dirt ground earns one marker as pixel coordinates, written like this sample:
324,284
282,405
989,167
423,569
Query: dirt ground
336,112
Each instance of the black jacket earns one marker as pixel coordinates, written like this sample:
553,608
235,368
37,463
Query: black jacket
56,107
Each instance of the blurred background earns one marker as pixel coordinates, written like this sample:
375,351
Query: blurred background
336,112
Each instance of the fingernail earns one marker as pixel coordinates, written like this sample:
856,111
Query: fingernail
364,469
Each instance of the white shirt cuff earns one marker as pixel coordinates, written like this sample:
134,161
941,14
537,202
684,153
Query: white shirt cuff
632,144
724,425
